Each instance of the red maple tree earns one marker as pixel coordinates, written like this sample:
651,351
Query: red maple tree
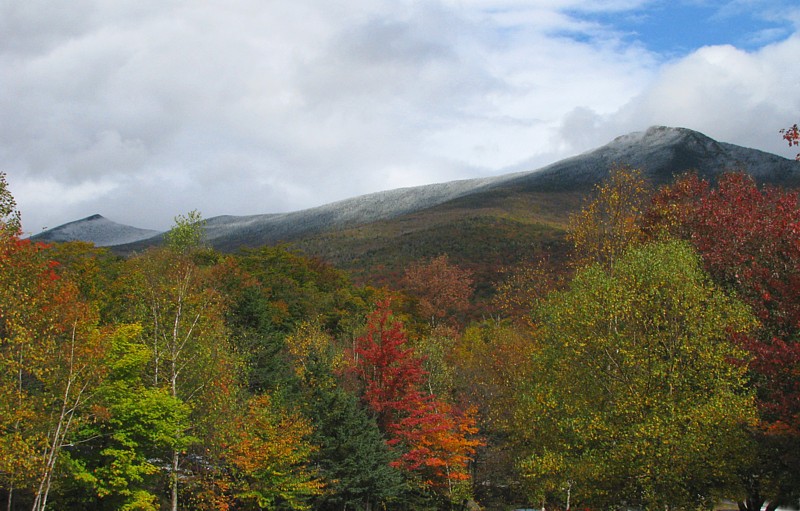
749,239
792,135
433,438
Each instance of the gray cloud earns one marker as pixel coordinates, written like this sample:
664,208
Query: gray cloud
143,110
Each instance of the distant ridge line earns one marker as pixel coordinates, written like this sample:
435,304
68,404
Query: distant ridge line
660,152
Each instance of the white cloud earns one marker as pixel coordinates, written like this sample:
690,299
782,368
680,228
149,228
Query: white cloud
729,94
143,110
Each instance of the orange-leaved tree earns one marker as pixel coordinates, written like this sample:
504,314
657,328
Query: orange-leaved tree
442,289
436,441
50,353
268,451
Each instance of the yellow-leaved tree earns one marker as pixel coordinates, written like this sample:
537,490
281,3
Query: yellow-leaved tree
611,219
638,394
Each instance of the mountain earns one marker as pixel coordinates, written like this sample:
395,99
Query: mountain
96,229
661,153
542,197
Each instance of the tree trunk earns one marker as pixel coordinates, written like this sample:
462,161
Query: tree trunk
174,480
751,504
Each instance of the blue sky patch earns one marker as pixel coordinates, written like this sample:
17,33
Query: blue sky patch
674,29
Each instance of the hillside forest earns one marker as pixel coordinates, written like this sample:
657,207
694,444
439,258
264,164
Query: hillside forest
656,366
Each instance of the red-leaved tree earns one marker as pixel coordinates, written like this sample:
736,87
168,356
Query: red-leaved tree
792,135
749,239
434,440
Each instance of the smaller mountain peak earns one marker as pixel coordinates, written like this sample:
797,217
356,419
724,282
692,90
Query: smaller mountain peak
96,229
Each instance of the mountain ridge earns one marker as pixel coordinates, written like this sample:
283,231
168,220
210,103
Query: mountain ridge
660,152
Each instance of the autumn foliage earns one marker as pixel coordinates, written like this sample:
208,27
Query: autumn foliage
50,354
434,439
748,238
658,368
267,449
792,136
442,289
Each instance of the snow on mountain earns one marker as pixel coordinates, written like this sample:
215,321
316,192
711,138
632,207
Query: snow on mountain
660,152
254,230
95,229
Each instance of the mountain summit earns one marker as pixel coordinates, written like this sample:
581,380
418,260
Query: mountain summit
96,229
660,152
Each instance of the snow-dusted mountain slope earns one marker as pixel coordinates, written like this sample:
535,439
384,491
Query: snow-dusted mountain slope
255,230
660,152
98,230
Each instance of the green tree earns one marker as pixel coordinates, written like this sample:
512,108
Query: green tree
10,224
639,394
271,291
749,240
115,455
173,298
187,233
353,456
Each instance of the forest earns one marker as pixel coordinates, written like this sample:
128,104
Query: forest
656,366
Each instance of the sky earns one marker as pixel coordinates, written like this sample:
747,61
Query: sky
141,110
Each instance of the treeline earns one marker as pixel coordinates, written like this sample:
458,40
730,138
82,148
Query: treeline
658,368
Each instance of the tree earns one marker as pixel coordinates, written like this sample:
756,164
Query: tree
662,422
493,361
522,287
10,224
354,459
443,290
270,292
182,317
435,441
114,455
92,269
268,450
186,234
610,221
749,239
792,136
50,353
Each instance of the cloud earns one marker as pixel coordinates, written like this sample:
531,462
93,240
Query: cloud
730,94
141,110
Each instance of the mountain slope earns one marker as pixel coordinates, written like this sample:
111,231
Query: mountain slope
660,152
96,229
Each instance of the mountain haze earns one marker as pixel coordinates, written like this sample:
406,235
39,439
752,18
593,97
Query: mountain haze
660,152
